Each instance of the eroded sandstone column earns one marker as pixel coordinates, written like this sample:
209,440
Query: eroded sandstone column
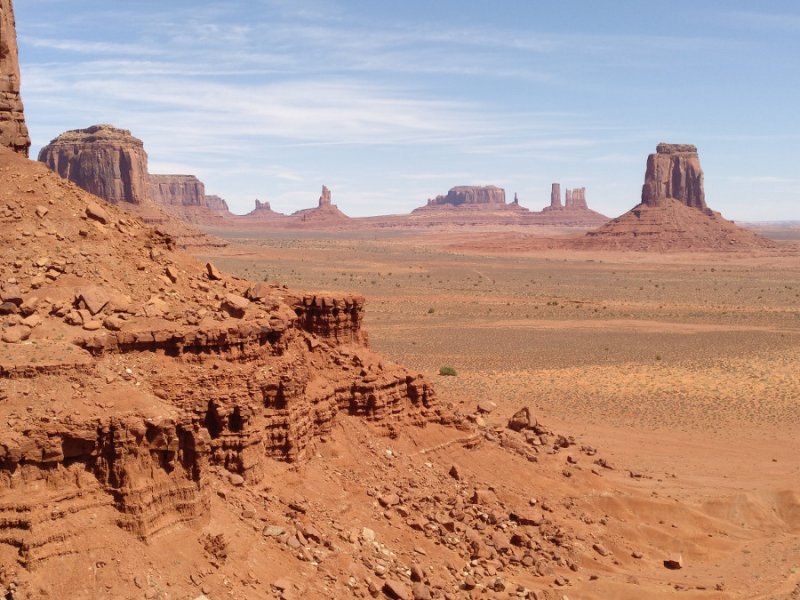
555,196
13,131
674,171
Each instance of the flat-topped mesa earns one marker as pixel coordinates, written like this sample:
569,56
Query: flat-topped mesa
13,131
555,196
177,190
471,195
214,202
106,161
674,171
576,199
325,198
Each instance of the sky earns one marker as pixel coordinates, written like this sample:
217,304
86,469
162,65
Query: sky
390,103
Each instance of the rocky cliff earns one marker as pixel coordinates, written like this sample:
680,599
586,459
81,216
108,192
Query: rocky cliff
471,196
674,172
106,161
177,190
13,131
130,375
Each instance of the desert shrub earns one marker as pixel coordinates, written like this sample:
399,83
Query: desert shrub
431,310
447,371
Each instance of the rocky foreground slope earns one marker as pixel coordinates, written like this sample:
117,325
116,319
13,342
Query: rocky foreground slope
129,371
169,431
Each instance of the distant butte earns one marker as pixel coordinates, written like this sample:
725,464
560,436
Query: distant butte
673,214
111,163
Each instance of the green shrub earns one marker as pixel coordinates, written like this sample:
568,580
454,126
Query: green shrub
448,371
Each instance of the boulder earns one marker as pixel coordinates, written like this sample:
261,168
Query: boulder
522,419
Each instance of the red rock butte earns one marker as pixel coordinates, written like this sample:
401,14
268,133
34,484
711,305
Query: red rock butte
103,160
673,215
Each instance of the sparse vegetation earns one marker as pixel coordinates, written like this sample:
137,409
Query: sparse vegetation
447,371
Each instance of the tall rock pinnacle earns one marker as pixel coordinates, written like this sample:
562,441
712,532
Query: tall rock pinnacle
674,172
13,131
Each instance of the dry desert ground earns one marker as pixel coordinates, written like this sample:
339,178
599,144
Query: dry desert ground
682,370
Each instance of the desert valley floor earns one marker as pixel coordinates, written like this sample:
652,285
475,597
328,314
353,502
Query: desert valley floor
683,370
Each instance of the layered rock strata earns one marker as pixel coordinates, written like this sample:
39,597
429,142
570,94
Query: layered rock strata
13,130
103,160
131,375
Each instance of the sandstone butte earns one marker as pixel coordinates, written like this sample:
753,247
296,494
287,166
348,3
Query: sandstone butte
673,214
13,131
112,164
106,161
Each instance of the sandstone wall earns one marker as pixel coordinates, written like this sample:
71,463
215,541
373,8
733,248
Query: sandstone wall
674,171
13,131
103,160
177,190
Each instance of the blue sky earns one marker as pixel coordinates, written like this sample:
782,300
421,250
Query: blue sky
390,103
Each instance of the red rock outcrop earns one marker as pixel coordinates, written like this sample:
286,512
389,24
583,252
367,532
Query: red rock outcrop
326,212
177,190
576,199
555,197
218,203
103,160
471,196
165,371
13,131
673,215
674,172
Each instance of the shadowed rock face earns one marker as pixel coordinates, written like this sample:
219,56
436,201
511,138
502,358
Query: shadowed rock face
103,160
674,172
471,195
13,131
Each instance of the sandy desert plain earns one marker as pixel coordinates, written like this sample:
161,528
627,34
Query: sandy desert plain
681,369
